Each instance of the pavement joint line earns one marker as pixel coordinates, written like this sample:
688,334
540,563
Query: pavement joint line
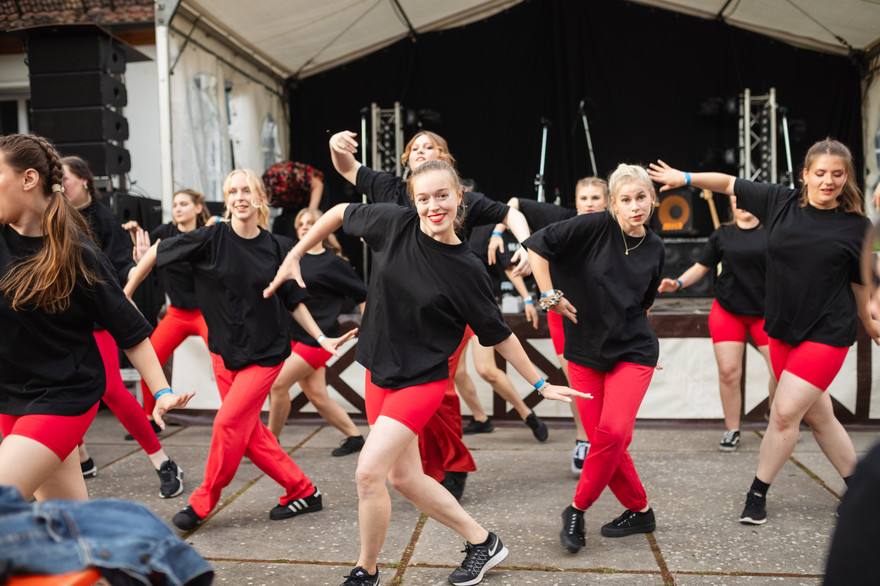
408,551
554,569
744,574
668,577
815,477
228,501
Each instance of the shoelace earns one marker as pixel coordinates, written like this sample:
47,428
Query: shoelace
580,451
476,557
624,518
728,437
572,525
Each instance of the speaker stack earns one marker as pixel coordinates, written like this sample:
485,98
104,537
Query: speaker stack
77,94
684,223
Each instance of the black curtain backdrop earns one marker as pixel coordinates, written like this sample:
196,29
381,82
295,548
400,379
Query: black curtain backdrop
643,73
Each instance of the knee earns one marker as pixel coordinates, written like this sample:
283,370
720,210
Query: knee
729,375
614,436
782,418
278,393
369,482
403,483
488,373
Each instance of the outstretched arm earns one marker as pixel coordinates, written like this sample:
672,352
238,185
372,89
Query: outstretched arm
496,242
143,358
687,278
304,318
289,269
512,351
343,147
672,178
316,193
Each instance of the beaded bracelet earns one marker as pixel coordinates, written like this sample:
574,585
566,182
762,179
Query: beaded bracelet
548,301
163,392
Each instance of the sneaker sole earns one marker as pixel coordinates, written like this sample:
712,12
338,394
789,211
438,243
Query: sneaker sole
575,469
629,530
90,473
750,521
287,513
491,563
728,448
569,546
179,487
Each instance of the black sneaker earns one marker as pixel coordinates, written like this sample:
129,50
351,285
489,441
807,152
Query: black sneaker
730,441
89,469
187,520
479,560
572,534
170,479
294,507
349,445
539,428
578,455
478,426
755,512
360,577
630,523
454,483
156,429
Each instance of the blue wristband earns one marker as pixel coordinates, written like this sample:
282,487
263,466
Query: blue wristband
528,302
163,392
687,178
496,233
680,284
548,293
539,384
321,338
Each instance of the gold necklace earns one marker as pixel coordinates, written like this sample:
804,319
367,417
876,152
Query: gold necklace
626,246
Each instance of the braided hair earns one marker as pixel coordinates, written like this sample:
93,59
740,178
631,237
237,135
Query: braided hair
46,279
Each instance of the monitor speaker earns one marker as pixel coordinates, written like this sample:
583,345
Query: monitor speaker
681,254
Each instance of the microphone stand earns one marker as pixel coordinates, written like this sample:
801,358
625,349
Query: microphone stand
583,114
539,178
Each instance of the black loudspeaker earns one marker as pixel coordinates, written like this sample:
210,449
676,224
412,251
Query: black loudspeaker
104,158
77,92
680,212
681,254
81,125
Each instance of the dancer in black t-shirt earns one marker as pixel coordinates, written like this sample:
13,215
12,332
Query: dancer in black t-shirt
330,281
425,288
590,196
609,266
738,309
106,229
814,297
248,341
55,284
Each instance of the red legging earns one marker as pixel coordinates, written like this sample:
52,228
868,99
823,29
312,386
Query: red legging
608,419
175,327
440,442
813,362
238,431
59,433
121,402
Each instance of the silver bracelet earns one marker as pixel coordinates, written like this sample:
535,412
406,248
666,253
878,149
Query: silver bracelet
550,300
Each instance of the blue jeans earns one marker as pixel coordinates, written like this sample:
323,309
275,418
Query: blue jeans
125,541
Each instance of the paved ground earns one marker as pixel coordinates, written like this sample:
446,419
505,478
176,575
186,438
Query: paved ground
519,491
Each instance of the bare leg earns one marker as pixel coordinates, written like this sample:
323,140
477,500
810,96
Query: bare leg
484,360
391,449
771,385
794,398
466,389
293,370
831,436
314,386
33,469
728,356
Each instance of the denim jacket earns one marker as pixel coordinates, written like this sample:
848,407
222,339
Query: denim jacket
125,541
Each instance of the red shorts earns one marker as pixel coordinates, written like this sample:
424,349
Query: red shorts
813,362
411,406
557,332
730,327
59,433
315,357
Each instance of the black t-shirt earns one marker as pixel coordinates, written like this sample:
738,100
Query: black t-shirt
107,230
49,363
742,253
178,277
421,295
381,187
330,280
230,274
540,215
813,257
611,291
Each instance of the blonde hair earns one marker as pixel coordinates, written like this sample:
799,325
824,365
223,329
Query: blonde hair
439,144
257,187
330,241
588,181
623,175
436,166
